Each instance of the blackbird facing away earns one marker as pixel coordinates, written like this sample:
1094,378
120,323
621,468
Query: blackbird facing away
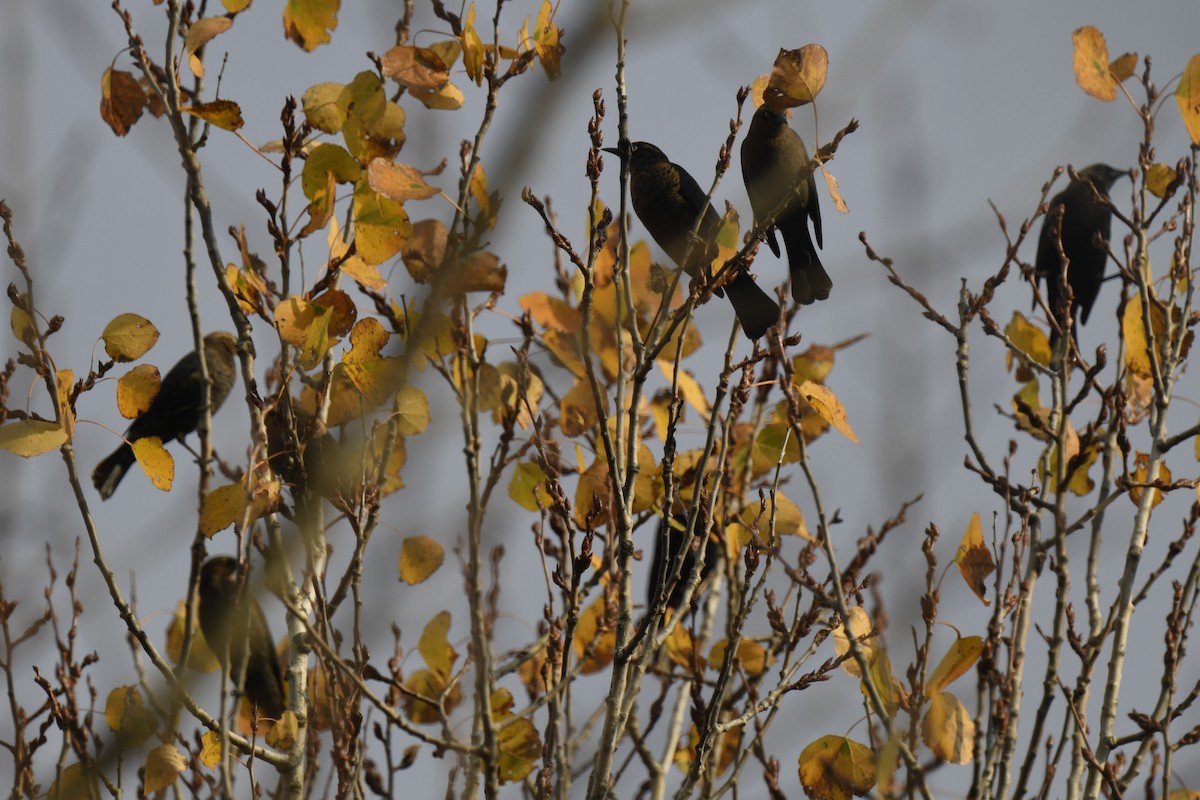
228,625
668,201
1084,221
773,157
668,544
175,410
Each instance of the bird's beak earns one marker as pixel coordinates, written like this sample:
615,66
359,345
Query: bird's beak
612,150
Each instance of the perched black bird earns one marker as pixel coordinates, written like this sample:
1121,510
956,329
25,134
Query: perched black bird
668,201
773,157
1084,221
668,544
228,624
175,410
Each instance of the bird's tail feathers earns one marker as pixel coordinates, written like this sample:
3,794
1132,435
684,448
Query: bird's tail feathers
110,471
755,309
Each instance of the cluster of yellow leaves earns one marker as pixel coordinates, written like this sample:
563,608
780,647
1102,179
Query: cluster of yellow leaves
433,691
947,729
518,740
1099,77
126,337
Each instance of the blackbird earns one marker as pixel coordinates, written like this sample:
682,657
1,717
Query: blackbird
773,157
175,410
228,624
668,544
668,201
1079,222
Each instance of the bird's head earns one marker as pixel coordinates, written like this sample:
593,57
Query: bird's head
221,342
219,573
767,116
1102,176
636,152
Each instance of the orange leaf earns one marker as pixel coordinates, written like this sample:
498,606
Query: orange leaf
122,100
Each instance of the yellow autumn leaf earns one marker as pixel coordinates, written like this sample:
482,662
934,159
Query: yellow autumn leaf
75,781
528,486
381,225
200,656
1159,179
520,748
974,559
137,389
31,437
309,23
22,324
225,114
1187,96
1091,64
128,716
578,408
689,387
960,658
412,410
948,729
1141,474
750,656
155,461
283,732
210,749
595,638
128,337
416,68
321,109
789,520
860,626
1031,340
428,684
834,768
227,505
420,557
398,182
472,47
546,39
163,765
435,648
201,33
828,407
796,77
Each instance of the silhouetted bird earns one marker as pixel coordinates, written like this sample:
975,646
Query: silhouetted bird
1084,220
175,410
668,201
229,620
667,546
773,157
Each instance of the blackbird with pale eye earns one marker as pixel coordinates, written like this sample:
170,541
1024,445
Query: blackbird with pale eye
175,410
773,159
1082,224
231,620
668,201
